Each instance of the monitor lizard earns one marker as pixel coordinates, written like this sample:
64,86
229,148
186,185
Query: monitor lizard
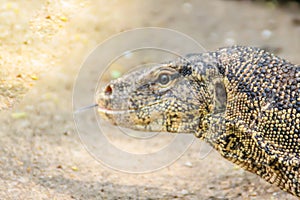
243,101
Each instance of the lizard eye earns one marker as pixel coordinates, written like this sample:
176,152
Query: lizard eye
163,79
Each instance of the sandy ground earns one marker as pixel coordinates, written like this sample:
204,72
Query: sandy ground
43,44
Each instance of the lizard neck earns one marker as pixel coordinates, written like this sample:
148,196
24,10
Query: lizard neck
211,128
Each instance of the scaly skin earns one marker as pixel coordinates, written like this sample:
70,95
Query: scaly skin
243,101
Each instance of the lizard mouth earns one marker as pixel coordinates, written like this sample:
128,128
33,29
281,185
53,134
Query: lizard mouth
124,111
115,112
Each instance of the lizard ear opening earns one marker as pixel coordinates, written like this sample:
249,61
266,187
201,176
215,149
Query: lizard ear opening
220,97
218,91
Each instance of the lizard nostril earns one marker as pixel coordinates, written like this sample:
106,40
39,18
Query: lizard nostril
108,90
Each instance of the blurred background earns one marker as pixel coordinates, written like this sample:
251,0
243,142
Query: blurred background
43,45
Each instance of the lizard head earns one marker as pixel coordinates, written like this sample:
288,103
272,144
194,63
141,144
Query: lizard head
170,97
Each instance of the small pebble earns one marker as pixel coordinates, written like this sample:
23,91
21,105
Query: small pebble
188,164
18,115
296,21
63,18
66,133
74,168
184,192
266,34
34,77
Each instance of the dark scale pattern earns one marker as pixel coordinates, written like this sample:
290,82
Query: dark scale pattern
263,95
243,101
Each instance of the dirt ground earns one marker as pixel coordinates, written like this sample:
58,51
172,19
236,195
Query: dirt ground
43,44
